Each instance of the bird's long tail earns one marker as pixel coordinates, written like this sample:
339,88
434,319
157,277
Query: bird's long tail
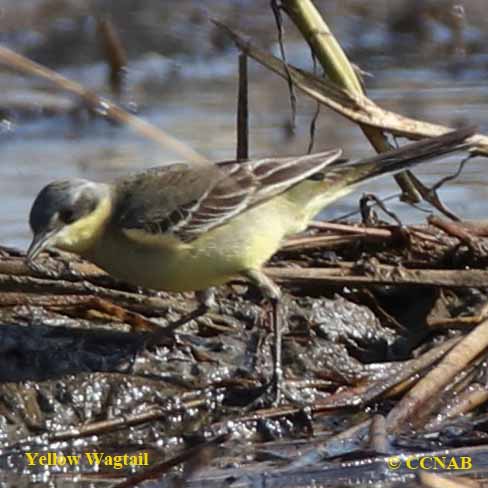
340,179
403,158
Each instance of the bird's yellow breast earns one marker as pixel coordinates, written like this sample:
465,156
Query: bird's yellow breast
163,262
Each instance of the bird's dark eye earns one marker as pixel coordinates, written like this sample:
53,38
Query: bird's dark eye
67,216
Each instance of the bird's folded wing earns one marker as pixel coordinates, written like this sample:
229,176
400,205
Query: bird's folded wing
184,201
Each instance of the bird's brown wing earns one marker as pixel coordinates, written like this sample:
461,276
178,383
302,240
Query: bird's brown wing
186,201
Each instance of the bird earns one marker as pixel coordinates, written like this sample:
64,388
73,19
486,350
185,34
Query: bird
183,227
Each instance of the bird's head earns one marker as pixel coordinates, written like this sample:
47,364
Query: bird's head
69,215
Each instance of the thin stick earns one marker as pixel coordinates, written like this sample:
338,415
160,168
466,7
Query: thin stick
276,7
334,61
434,480
242,111
357,108
468,400
101,106
384,275
432,384
115,54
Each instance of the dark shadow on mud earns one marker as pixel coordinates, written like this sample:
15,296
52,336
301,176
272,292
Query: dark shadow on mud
42,352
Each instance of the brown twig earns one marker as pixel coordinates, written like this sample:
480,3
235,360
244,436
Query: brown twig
470,321
456,229
324,242
75,304
433,480
406,372
385,275
356,107
472,397
276,7
101,106
115,54
432,384
242,111
383,232
111,425
378,441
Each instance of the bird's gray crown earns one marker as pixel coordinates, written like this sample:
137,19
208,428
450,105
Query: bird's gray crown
63,202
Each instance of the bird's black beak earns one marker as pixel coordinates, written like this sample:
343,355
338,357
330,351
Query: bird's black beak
41,241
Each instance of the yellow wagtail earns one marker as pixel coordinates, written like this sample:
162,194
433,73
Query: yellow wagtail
181,228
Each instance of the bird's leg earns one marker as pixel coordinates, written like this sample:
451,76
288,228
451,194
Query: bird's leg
206,302
273,293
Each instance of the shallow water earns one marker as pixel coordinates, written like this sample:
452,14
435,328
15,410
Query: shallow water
190,92
201,113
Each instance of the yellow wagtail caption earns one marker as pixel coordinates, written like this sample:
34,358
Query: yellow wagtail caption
118,461
430,463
